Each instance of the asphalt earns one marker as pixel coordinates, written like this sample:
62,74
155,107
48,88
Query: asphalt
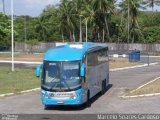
110,102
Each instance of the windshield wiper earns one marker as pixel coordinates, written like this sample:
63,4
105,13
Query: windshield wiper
54,83
67,85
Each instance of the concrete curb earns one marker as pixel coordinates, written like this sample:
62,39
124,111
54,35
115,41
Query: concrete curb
145,84
20,62
3,95
25,91
137,66
144,95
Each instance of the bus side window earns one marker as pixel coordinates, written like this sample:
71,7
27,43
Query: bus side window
102,56
92,59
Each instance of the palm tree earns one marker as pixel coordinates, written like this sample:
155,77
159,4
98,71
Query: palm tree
133,7
41,28
151,3
62,28
103,10
66,17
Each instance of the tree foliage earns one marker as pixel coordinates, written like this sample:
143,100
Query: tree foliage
105,22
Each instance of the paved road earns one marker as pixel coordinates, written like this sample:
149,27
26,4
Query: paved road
110,102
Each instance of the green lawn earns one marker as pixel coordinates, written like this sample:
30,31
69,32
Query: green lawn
14,82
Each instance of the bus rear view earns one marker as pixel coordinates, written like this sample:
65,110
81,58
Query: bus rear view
67,77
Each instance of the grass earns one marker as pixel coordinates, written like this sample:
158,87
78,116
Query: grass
120,63
14,82
151,88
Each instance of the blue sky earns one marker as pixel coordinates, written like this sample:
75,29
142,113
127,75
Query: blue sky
27,7
33,7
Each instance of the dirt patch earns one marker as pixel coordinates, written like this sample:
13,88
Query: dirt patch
120,63
151,88
24,57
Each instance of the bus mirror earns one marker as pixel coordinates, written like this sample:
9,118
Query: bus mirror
38,70
82,71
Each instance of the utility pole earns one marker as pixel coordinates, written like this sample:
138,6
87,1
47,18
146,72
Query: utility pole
128,19
4,7
25,34
86,30
12,29
80,36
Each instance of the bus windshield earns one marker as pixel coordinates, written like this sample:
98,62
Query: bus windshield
61,76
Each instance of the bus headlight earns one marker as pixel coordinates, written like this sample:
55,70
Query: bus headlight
74,96
44,95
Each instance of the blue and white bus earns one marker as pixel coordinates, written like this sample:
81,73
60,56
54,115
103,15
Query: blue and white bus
73,73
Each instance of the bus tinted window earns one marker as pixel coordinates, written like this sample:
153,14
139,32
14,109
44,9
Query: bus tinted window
92,59
97,57
102,56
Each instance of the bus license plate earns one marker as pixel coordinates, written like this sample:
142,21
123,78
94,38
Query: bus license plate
60,102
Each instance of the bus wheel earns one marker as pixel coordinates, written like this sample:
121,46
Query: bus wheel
46,107
88,104
103,87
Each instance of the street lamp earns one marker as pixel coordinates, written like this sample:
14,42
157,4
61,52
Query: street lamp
12,29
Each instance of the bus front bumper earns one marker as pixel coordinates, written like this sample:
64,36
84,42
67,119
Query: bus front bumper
46,100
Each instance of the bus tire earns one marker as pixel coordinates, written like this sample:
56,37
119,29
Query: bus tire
88,104
46,107
103,87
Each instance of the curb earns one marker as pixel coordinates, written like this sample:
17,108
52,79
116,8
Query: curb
21,62
145,84
8,94
144,95
25,91
138,66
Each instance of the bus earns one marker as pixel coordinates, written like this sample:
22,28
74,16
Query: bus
73,73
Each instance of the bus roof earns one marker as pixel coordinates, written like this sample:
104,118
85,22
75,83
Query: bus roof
70,52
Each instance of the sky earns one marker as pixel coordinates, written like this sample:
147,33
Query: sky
33,7
27,7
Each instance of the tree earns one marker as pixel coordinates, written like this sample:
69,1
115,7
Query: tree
151,3
133,7
41,28
103,10
151,34
5,31
32,42
66,17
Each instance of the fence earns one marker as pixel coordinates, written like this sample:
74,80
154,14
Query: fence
42,47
